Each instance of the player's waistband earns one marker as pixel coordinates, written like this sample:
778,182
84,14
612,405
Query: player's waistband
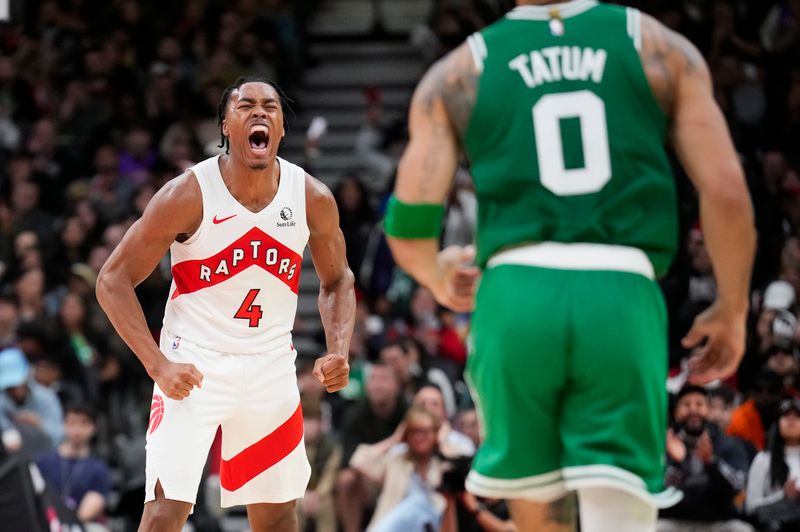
577,256
170,341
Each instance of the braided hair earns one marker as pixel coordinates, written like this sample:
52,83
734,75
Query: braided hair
226,96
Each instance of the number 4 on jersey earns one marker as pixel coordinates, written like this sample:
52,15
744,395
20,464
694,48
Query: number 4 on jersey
249,311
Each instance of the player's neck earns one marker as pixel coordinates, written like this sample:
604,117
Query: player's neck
250,186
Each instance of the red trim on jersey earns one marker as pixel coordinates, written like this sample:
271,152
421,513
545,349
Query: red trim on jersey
189,275
263,454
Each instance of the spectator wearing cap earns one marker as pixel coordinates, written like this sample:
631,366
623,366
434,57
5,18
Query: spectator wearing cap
784,360
779,295
752,419
774,327
26,406
773,484
707,466
82,480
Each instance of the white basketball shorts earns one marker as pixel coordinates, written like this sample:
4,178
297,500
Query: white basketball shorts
254,398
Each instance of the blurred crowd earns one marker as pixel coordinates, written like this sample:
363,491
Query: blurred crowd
102,102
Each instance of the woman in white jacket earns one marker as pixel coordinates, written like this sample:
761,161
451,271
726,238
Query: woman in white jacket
409,475
773,484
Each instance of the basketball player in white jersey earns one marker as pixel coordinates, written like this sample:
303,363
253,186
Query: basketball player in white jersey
236,226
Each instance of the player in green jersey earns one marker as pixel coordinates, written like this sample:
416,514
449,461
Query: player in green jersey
563,111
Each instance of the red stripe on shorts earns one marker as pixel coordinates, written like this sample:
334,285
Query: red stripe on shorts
263,454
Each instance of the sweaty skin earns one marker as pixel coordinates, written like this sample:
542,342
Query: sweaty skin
680,81
175,213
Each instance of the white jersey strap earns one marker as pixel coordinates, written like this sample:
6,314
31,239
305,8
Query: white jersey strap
477,46
634,17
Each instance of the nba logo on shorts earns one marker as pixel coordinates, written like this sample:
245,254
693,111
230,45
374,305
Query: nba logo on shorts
176,342
156,413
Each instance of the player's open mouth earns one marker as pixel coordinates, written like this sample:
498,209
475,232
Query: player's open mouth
259,139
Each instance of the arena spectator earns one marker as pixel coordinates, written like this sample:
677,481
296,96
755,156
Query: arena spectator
82,480
370,420
408,479
707,466
316,511
721,402
356,217
773,484
752,419
451,442
413,368
466,422
26,406
9,317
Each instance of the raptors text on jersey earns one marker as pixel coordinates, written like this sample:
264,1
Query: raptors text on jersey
235,281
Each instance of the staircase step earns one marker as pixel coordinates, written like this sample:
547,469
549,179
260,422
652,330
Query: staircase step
363,50
355,17
353,75
353,97
339,141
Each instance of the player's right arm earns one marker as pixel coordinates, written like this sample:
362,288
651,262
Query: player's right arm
682,85
175,211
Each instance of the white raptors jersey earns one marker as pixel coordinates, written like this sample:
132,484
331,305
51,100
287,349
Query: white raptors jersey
235,280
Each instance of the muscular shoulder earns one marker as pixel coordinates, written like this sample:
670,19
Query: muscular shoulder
668,58
177,206
452,82
321,211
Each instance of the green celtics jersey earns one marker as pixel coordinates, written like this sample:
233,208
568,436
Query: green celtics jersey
566,138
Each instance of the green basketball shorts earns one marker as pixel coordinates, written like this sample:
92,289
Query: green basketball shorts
568,371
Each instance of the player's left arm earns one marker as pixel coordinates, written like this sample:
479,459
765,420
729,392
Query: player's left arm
438,116
337,301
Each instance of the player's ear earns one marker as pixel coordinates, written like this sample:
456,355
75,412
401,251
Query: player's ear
225,127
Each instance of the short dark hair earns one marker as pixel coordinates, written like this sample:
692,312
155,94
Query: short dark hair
723,392
226,96
688,389
81,409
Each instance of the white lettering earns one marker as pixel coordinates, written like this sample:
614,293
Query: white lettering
593,63
222,268
555,63
272,256
520,65
205,273
284,267
291,271
254,244
540,71
552,54
238,254
570,62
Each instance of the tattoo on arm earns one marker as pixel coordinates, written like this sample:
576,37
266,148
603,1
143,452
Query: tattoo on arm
454,81
667,55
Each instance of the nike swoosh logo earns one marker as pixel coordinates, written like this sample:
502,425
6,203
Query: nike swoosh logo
220,220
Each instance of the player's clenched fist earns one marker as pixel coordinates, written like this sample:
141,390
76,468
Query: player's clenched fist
332,371
177,380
